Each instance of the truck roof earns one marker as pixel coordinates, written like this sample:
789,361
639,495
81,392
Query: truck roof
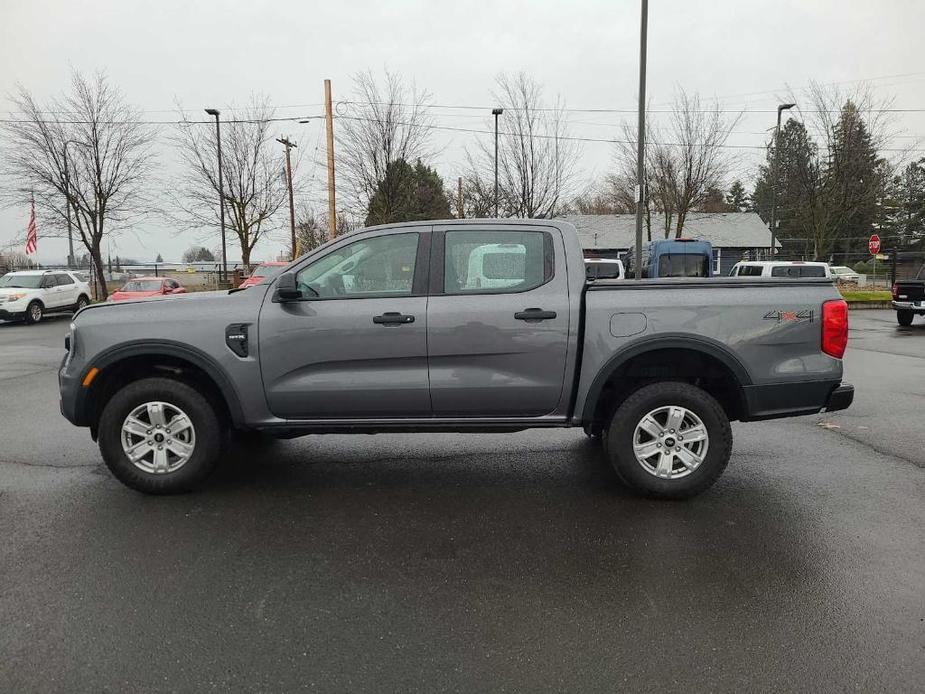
478,221
765,263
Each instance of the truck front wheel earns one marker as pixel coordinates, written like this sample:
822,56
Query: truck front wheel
669,440
904,318
160,436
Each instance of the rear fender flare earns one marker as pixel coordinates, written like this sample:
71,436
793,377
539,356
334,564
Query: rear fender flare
706,346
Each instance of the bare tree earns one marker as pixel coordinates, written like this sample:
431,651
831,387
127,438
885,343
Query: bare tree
478,195
384,123
311,228
84,156
611,195
536,156
685,159
254,184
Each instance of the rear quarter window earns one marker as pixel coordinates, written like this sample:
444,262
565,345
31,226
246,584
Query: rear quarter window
750,271
798,271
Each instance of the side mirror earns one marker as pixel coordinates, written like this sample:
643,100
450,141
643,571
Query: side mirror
286,288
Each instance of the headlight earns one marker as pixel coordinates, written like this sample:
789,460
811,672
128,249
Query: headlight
15,297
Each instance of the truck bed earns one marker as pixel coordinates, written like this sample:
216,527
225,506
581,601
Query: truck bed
764,332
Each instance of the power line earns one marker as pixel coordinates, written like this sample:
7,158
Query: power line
160,122
571,138
462,107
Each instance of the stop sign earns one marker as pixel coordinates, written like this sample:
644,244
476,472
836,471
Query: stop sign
874,244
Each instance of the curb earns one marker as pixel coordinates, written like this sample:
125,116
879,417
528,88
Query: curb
862,305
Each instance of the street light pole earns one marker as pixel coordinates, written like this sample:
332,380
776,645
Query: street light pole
641,139
496,112
67,197
221,190
774,165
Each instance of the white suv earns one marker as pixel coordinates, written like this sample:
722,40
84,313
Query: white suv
30,294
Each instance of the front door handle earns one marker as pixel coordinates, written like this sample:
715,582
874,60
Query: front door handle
393,318
534,314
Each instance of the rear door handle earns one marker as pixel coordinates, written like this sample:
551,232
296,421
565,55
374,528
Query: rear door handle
534,314
393,318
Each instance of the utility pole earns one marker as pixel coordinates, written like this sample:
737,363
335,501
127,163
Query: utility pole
496,112
221,190
289,145
774,166
460,212
641,140
329,119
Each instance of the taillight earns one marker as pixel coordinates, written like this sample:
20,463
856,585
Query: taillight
895,291
835,327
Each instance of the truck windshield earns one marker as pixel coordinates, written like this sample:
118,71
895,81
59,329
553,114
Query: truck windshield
683,265
24,281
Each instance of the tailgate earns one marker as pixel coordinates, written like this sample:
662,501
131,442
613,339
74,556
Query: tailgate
910,290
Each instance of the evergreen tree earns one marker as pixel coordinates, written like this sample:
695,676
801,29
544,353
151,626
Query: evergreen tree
798,185
159,259
903,206
855,180
737,197
408,193
713,201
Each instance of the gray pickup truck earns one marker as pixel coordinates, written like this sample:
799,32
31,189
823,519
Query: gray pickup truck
468,325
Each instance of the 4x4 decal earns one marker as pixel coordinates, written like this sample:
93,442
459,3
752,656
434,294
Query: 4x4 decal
790,316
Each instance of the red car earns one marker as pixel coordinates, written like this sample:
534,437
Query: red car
261,272
144,287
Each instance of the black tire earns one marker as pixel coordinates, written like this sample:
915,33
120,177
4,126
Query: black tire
82,301
904,318
619,440
209,432
34,313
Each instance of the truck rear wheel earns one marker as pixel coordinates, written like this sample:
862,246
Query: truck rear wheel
669,440
159,436
904,318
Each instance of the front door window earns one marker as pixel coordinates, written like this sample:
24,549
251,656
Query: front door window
382,266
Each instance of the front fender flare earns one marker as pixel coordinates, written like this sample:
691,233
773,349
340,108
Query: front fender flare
141,348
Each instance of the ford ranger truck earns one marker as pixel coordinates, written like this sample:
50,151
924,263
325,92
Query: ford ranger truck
390,329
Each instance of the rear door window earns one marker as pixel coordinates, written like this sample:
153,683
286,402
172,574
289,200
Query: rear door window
63,279
683,265
496,261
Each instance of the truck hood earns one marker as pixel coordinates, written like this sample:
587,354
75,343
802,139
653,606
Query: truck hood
198,305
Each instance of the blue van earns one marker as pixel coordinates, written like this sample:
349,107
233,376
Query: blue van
674,258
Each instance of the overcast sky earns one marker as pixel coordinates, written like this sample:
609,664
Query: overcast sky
745,52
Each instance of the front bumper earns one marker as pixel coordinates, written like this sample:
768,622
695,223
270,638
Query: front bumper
12,311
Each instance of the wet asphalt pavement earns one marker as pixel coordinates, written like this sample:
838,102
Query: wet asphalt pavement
471,562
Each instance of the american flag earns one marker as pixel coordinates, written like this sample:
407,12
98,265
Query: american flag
32,241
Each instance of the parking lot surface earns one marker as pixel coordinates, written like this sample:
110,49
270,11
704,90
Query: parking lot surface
470,562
